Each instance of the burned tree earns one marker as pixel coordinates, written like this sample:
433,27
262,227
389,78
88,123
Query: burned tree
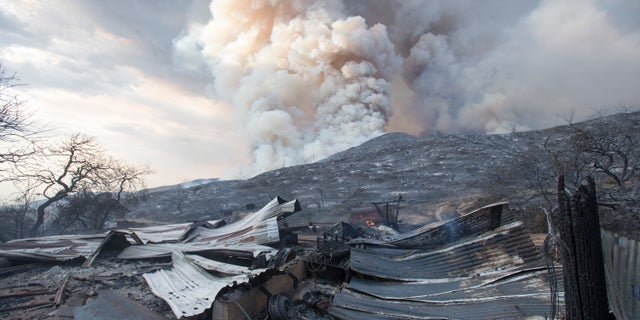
78,164
609,149
87,210
16,128
17,217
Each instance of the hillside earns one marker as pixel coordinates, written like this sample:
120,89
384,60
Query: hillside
434,174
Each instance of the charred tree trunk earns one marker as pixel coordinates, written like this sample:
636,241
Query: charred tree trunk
579,227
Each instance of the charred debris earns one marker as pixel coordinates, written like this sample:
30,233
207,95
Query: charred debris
482,264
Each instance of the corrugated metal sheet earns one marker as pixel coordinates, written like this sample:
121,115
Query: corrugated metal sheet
166,233
496,275
53,248
218,266
249,234
161,250
622,270
187,288
353,305
507,247
517,282
473,223
259,228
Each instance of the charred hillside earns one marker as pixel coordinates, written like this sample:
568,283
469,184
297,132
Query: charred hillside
435,175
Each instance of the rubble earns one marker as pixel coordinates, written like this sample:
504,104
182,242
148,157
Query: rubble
479,265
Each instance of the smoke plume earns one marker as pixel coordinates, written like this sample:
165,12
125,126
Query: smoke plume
310,78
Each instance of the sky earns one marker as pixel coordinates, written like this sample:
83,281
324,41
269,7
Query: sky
198,89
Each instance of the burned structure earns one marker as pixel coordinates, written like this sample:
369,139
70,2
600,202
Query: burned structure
480,265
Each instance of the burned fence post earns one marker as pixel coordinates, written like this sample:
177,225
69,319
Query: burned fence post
579,227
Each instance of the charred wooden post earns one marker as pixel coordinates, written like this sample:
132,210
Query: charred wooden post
579,227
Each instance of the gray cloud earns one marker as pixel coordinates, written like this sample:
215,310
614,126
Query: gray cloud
96,40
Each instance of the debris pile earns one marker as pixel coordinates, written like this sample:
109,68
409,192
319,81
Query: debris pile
476,266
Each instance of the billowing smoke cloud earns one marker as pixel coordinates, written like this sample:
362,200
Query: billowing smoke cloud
305,80
491,66
309,78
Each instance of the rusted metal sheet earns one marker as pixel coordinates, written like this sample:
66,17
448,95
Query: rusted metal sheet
622,271
187,287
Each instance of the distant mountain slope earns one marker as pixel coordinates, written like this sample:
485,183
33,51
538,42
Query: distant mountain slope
430,172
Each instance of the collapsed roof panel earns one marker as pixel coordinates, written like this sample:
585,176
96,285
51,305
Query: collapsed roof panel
507,247
528,282
495,275
352,305
162,233
219,267
53,248
437,271
161,250
473,223
188,289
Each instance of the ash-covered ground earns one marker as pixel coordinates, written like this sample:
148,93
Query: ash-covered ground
437,176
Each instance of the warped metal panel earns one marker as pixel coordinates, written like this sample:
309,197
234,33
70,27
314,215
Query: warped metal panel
353,305
160,250
471,224
53,248
507,247
622,270
259,227
188,289
260,232
162,233
249,234
530,282
220,267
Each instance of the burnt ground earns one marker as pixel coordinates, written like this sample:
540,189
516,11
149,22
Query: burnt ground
39,283
436,176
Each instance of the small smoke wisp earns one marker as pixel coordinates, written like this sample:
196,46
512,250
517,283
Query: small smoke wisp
310,78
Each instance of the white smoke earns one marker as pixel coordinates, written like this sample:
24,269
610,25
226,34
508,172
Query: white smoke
491,66
309,78
305,80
